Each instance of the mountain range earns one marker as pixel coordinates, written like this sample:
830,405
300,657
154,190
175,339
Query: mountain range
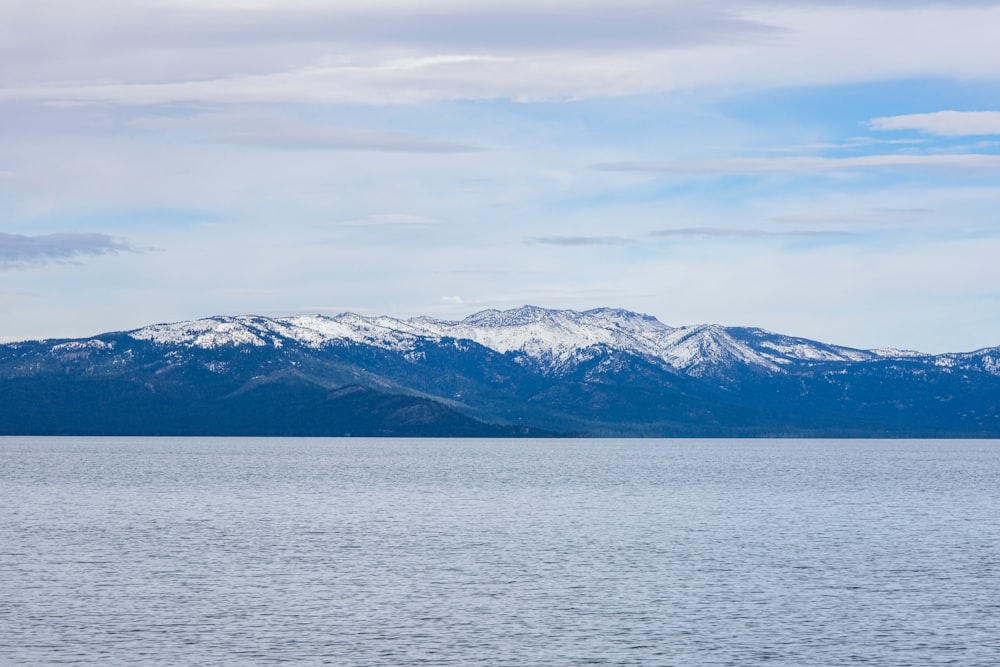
524,372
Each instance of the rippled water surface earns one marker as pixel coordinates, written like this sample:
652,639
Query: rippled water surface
499,552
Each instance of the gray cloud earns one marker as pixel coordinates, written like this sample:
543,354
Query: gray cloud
387,51
536,26
21,249
628,26
350,52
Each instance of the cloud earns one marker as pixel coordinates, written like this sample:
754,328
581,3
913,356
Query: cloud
721,232
405,52
686,232
732,232
943,123
273,132
22,249
850,143
391,219
398,81
794,165
891,4
547,26
580,240
218,77
134,53
432,24
873,216
492,272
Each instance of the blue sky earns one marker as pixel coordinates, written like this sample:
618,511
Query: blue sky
822,169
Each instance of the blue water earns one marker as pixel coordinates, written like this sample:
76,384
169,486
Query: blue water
499,552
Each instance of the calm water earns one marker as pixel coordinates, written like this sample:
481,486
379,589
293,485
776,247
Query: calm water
496,552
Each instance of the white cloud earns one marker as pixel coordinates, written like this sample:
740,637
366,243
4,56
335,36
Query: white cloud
874,216
577,241
741,233
793,165
427,25
944,123
167,95
405,53
283,133
396,81
392,219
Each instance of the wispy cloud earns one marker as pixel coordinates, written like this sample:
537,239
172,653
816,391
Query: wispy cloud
397,81
391,219
688,232
730,129
392,52
872,216
580,240
741,233
273,132
405,52
793,165
431,24
492,272
22,249
943,123
548,26
849,143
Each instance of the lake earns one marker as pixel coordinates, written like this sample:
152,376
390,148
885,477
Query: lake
221,551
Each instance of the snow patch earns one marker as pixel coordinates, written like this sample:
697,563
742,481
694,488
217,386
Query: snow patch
83,346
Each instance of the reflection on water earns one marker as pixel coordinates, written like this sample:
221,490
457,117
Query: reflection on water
495,552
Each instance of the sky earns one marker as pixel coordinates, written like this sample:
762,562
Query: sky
819,168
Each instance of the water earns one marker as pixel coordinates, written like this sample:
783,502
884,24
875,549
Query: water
496,552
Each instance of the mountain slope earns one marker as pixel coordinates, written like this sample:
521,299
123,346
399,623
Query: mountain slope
526,371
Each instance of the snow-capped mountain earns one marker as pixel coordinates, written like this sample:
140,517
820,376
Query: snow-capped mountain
551,339
525,371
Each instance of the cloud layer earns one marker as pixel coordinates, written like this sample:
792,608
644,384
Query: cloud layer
147,53
817,167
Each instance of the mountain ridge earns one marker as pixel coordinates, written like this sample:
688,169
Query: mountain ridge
544,332
528,370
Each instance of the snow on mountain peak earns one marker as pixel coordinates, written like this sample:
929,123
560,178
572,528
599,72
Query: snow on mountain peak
513,317
309,330
210,332
553,339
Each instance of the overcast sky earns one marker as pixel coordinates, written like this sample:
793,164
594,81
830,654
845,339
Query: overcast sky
819,168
